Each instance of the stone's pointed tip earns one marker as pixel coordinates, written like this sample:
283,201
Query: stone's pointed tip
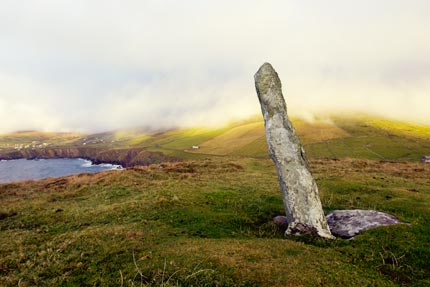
266,68
269,88
266,73
266,65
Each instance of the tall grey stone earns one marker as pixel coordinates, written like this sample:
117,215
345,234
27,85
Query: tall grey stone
299,190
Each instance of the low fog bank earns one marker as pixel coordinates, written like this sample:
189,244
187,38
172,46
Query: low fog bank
188,101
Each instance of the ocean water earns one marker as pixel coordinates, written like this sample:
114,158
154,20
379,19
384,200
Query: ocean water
23,169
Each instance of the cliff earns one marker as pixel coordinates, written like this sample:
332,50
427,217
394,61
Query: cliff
124,157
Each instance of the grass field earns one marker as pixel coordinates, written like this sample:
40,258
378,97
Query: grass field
207,221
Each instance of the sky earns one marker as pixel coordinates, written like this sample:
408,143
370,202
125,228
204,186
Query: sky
98,65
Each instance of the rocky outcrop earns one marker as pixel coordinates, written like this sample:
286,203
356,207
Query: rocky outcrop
302,203
124,157
349,223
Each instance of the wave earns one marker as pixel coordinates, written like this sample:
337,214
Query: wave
87,163
111,166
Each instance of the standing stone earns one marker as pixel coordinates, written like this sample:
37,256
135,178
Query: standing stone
299,190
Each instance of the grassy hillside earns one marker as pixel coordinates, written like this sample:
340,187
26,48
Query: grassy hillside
34,138
369,139
356,136
363,137
233,139
209,223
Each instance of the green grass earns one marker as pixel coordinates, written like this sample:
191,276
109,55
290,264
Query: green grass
368,140
397,127
180,139
209,223
233,139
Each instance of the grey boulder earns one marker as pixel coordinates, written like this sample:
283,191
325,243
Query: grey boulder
349,223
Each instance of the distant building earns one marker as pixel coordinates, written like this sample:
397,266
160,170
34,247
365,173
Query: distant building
18,146
195,147
426,159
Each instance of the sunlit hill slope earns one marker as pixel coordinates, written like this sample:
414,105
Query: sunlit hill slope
358,136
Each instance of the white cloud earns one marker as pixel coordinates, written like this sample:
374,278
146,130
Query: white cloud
25,104
99,65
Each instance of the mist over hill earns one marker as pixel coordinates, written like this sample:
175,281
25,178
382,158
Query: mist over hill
353,136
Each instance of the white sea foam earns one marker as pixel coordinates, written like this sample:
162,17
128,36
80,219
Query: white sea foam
105,165
110,166
87,163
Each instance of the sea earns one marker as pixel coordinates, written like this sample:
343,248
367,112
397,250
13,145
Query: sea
23,169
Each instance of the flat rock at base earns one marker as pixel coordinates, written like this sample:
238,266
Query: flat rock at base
349,223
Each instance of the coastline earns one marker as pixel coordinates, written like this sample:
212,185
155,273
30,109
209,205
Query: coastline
18,170
124,157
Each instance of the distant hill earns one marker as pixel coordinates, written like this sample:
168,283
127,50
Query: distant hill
357,136
353,136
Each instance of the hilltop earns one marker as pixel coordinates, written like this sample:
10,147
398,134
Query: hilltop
205,217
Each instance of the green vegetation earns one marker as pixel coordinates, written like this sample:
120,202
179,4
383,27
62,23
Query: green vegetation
356,136
30,138
233,139
207,221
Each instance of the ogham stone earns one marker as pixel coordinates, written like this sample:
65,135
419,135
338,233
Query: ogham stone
302,203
